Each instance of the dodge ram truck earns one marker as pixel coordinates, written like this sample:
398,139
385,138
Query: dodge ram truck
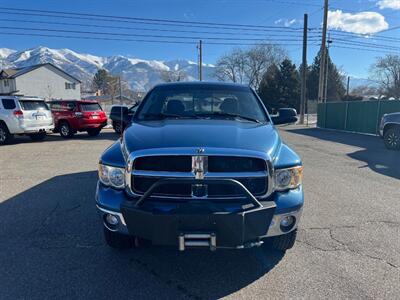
201,165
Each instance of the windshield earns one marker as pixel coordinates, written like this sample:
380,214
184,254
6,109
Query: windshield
33,105
194,102
90,107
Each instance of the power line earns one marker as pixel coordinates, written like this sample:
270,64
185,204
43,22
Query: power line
153,20
365,36
294,3
267,29
363,49
343,41
139,40
144,35
150,29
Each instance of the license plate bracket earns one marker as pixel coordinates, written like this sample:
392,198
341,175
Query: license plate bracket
233,229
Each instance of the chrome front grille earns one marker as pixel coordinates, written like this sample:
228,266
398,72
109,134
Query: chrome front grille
253,172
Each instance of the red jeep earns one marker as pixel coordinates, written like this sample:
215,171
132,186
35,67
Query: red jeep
71,116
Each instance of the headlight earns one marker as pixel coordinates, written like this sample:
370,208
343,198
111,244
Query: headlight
112,176
289,178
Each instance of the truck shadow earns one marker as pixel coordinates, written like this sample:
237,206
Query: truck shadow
372,152
52,247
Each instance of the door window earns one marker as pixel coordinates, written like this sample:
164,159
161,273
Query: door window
71,106
33,105
8,103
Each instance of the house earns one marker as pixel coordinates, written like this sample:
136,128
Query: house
44,80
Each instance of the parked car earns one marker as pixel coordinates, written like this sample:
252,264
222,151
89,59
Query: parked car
24,116
121,116
389,129
71,116
201,165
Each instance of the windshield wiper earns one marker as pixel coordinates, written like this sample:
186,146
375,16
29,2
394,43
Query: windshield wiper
227,115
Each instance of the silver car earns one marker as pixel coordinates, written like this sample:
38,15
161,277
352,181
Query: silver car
389,129
24,116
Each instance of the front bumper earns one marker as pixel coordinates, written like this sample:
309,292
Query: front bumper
234,227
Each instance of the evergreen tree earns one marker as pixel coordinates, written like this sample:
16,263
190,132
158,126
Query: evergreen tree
269,88
101,80
290,85
280,86
336,89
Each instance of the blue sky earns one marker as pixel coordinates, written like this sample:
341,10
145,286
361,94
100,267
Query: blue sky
360,16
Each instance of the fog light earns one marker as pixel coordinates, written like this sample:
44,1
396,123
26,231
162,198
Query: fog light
287,223
111,220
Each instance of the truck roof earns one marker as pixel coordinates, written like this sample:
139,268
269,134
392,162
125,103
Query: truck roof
203,84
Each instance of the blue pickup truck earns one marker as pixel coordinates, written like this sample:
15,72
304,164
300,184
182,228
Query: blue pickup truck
201,165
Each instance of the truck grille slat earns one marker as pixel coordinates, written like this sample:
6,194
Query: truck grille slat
250,171
257,186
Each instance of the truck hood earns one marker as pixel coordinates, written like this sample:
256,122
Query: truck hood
202,133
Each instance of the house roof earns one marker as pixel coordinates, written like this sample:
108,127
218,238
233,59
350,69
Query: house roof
6,73
13,73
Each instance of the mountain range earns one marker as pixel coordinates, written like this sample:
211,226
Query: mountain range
140,74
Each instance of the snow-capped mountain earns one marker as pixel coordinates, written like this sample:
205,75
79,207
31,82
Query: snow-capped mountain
4,52
140,74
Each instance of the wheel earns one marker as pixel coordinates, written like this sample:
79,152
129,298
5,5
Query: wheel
38,136
65,130
5,135
283,242
392,138
117,127
117,240
94,132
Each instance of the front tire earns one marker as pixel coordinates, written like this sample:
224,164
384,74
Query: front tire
66,130
5,135
38,136
94,132
117,240
392,138
117,127
283,242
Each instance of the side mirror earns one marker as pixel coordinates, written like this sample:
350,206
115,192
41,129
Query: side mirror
124,110
285,116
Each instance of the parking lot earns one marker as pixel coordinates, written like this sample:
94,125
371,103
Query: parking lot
51,243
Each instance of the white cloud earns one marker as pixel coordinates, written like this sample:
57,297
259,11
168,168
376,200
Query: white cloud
286,22
391,4
363,23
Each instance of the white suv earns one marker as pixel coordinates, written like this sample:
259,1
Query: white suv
24,116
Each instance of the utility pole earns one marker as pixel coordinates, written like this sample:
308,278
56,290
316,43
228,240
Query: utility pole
327,70
304,71
120,89
323,54
200,60
348,87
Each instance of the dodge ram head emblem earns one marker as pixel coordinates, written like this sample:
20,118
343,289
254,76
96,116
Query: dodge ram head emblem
199,166
199,169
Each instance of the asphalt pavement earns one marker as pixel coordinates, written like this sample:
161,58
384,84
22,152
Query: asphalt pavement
51,243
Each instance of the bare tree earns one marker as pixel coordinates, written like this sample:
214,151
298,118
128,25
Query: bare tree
259,59
173,75
231,67
386,71
249,65
49,92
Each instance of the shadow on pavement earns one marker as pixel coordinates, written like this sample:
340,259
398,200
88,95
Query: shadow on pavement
373,152
52,247
55,137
